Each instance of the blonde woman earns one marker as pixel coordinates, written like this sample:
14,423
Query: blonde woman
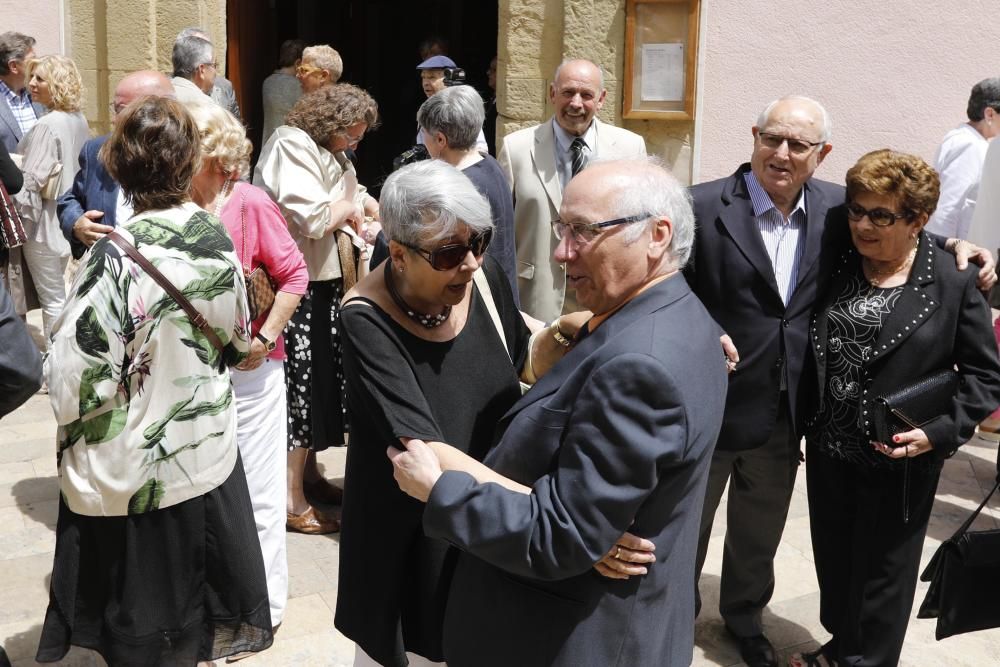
261,238
49,153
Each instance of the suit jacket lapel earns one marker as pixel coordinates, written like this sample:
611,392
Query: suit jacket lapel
739,222
8,117
605,140
816,209
543,157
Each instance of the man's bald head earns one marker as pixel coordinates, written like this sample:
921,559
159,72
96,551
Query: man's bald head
143,83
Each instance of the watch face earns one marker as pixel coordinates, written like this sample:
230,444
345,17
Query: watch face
268,344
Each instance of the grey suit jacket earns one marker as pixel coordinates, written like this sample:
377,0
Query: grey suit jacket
10,131
618,436
528,159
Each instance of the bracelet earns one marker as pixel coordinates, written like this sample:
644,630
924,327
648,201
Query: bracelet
560,336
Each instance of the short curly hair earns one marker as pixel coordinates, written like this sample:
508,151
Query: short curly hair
331,110
222,137
153,153
65,82
325,57
906,178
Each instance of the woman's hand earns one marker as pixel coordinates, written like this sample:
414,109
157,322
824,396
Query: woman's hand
416,470
626,557
345,212
907,445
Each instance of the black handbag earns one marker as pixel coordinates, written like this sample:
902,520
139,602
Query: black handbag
964,572
914,405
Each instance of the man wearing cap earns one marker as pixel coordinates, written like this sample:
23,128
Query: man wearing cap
539,161
433,79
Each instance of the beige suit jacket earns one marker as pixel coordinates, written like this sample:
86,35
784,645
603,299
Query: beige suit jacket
528,159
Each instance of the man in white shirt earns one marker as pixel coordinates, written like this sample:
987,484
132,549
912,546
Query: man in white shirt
539,161
959,161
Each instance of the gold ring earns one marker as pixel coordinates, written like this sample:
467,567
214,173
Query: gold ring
618,554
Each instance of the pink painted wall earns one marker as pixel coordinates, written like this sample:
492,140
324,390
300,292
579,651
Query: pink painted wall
891,74
38,18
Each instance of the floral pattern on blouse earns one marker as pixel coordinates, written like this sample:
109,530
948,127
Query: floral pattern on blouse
143,400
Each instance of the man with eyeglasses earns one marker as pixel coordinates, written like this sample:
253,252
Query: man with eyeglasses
17,111
616,436
539,162
193,58
96,204
221,92
766,237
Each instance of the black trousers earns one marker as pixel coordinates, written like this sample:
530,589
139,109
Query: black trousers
867,559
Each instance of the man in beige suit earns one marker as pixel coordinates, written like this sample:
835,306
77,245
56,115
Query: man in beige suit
539,161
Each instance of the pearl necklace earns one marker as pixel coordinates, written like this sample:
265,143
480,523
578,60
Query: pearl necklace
423,319
221,199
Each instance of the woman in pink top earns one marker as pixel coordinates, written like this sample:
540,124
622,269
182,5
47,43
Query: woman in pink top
261,238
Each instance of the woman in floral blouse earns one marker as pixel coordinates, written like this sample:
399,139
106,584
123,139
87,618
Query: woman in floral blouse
157,559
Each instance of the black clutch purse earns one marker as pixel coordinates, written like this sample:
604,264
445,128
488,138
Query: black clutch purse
914,405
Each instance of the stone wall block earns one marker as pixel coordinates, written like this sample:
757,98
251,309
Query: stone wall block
523,99
595,29
82,22
534,30
131,34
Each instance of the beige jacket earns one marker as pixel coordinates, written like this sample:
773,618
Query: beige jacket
304,179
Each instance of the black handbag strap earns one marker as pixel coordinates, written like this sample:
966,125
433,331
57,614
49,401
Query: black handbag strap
968,522
196,317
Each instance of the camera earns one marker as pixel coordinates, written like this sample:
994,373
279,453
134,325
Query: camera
415,154
454,76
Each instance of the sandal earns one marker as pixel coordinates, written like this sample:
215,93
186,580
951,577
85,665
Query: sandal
811,659
311,522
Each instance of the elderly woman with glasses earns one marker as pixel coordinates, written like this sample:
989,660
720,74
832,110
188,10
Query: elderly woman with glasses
304,169
897,310
450,122
430,352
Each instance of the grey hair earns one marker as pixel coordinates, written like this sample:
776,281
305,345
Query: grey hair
647,186
984,94
455,112
325,57
826,125
190,52
193,31
600,70
13,46
429,201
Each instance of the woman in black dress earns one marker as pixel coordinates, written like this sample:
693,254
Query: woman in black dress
423,359
897,310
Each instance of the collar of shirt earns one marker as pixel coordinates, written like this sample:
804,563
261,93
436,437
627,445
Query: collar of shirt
762,201
564,138
19,98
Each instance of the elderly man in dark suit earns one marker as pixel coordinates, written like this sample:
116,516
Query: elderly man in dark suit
95,204
766,238
618,435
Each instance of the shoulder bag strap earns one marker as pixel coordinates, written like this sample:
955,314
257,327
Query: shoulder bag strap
196,318
243,225
479,277
968,522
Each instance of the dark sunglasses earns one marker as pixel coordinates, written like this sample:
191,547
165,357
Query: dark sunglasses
880,217
449,256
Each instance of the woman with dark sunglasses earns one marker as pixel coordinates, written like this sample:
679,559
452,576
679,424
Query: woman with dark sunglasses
896,310
423,358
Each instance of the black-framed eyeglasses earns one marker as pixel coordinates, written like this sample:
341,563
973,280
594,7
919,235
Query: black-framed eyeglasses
880,217
795,146
449,256
587,232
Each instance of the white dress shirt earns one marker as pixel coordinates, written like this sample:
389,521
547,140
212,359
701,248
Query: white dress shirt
564,157
959,162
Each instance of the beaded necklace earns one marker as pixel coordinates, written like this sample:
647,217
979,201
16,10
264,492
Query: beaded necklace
423,319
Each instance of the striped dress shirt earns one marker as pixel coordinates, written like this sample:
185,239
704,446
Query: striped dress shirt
20,106
782,236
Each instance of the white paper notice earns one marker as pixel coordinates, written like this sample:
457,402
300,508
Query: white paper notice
662,72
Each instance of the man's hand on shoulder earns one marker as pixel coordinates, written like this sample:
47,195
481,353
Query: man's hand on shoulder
87,231
966,252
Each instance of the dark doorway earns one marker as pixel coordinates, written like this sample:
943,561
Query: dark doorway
378,41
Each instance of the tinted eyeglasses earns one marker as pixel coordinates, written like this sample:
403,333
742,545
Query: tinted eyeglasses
449,256
880,217
795,146
586,233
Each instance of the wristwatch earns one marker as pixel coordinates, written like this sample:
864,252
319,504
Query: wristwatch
560,337
269,345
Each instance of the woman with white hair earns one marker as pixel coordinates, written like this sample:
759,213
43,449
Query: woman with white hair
49,153
429,353
450,123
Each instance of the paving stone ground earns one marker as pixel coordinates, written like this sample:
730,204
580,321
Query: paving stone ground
28,501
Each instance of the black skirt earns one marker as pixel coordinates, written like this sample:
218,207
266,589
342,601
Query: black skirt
170,587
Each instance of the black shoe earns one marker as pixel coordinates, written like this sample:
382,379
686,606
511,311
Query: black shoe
757,651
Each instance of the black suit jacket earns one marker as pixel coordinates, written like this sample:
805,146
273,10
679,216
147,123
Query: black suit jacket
617,436
732,275
940,321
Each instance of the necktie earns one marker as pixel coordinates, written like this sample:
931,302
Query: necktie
578,156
